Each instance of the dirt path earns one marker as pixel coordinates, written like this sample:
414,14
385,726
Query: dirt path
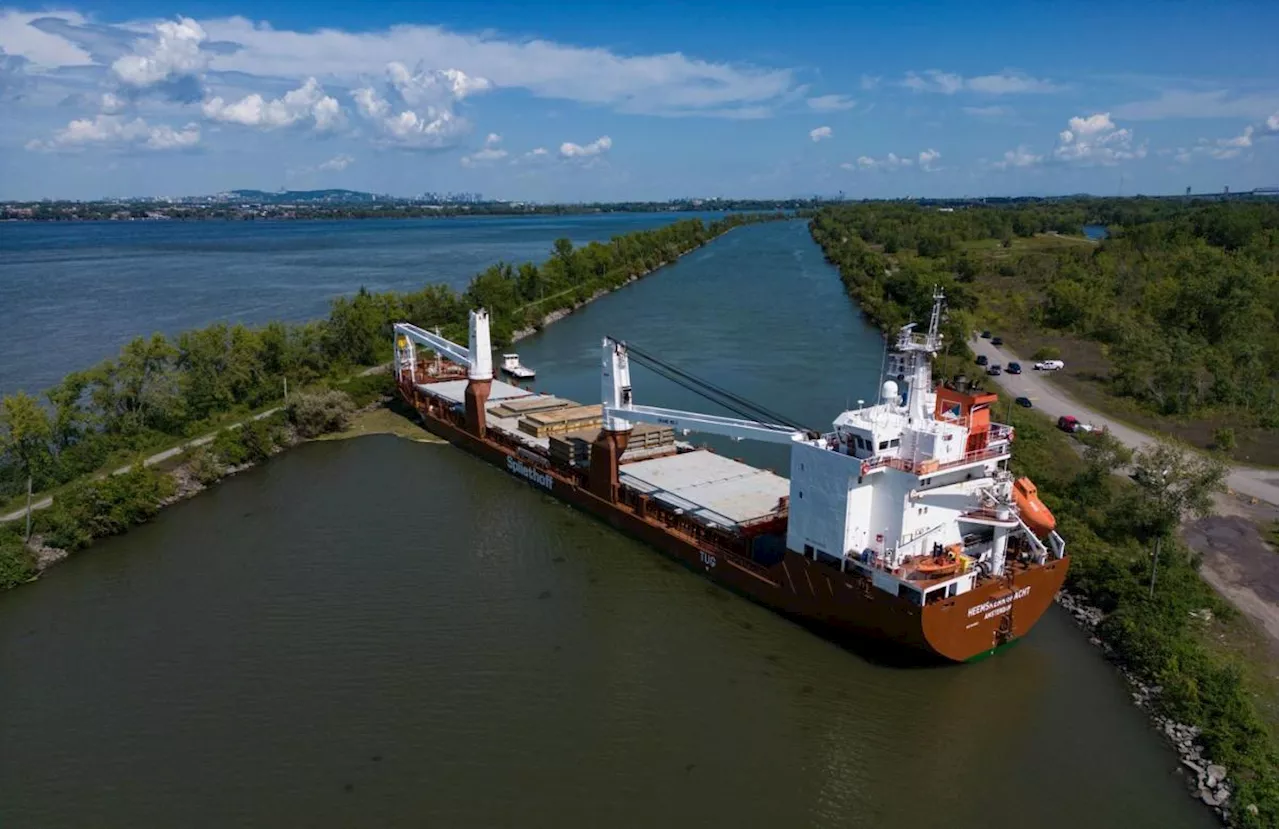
158,457
1263,484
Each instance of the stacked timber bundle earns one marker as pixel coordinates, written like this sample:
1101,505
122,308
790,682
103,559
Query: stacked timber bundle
529,405
574,448
560,420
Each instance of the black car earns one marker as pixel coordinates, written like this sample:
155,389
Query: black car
1024,402
994,371
986,335
1014,368
982,360
997,341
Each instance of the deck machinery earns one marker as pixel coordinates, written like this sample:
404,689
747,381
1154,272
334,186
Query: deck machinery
901,525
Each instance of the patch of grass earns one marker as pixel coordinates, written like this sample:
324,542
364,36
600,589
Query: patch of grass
384,420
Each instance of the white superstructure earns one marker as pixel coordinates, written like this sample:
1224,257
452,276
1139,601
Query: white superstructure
914,489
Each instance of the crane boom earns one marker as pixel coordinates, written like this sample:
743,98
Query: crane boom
477,358
619,412
711,424
445,348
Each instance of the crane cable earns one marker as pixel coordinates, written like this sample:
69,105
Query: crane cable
703,388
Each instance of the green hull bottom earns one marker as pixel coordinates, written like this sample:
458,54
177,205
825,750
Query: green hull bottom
997,649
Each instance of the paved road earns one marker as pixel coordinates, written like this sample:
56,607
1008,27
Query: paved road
1053,401
151,461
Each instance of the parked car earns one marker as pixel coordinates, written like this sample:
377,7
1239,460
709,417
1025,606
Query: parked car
1024,402
994,371
982,360
1014,368
1049,365
1069,423
986,335
997,341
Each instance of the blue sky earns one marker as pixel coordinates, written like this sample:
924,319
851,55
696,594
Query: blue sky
577,100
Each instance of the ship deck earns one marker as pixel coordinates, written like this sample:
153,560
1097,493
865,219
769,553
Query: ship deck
714,490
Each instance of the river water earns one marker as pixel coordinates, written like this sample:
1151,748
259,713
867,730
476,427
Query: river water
74,292
386,633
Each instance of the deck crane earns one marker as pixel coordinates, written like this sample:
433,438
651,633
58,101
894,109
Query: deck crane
620,411
477,358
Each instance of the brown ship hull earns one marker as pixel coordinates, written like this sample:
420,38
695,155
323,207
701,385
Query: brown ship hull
846,607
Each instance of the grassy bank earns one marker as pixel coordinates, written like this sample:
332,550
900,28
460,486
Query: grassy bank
1166,638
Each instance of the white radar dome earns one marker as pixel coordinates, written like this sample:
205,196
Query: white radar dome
889,391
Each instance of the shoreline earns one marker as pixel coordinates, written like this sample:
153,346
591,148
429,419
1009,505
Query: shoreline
187,484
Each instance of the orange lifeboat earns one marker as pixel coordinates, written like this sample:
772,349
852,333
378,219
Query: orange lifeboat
1033,511
944,565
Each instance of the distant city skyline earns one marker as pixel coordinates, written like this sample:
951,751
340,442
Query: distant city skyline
593,101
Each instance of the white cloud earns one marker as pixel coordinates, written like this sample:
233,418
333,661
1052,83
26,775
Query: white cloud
172,52
308,101
1176,103
1095,139
949,83
1272,125
1021,157
338,163
425,100
112,104
927,158
889,163
1221,149
490,152
831,103
597,147
869,82
115,130
656,84
44,49
820,133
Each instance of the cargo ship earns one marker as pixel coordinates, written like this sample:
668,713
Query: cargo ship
901,526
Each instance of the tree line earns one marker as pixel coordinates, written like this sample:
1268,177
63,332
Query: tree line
1180,295
160,390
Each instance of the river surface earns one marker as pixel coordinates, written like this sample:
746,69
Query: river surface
74,292
393,634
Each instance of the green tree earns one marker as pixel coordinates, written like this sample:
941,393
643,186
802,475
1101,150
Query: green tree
24,435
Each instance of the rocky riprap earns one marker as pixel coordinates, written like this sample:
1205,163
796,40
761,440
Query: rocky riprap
1208,781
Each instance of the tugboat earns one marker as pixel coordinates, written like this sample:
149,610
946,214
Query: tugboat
511,366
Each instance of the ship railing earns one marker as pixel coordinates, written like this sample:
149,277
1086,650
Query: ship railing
930,466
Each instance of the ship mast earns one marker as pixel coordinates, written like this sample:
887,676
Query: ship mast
917,354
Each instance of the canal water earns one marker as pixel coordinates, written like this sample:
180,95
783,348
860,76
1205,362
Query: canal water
387,633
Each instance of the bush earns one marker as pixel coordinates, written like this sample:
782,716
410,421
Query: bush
1047,352
104,507
204,466
317,414
1224,440
229,449
16,566
366,388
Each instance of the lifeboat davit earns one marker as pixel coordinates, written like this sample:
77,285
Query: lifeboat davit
1034,513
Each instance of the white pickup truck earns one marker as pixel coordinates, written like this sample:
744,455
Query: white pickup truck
1050,365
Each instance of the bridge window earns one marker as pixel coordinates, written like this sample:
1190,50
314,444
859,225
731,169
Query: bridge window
884,444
